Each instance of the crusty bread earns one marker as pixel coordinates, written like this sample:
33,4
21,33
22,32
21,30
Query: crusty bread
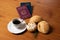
35,18
31,27
43,27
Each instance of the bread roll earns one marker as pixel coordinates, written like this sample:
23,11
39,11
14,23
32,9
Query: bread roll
31,27
35,18
43,27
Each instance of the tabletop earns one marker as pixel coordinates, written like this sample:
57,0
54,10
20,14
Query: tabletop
49,10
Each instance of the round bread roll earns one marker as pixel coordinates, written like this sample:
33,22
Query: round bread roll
43,27
31,27
35,18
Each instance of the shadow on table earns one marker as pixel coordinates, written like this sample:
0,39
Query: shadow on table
50,30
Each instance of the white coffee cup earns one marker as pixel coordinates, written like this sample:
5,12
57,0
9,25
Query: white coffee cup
19,23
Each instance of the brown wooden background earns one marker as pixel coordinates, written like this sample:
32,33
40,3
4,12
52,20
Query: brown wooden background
49,10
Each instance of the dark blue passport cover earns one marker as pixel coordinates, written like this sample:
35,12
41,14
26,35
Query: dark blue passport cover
28,4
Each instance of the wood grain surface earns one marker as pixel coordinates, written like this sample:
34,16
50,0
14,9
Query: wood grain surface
49,10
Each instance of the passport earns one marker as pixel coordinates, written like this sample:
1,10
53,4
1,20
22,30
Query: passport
25,3
23,12
28,4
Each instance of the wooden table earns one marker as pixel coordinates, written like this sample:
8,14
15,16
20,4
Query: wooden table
49,10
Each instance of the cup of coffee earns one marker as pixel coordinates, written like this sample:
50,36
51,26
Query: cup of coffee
19,23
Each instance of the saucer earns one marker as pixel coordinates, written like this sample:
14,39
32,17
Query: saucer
11,28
